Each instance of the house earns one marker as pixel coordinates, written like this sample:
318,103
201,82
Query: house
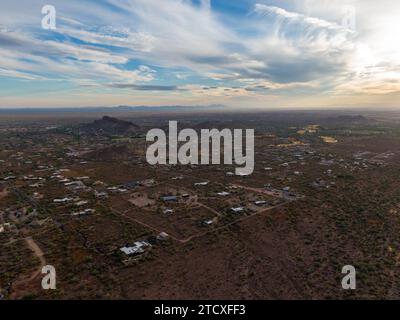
289,195
36,185
131,185
237,209
138,247
169,198
223,194
81,203
260,203
64,200
32,178
163,236
37,196
83,178
100,195
73,183
83,213
198,184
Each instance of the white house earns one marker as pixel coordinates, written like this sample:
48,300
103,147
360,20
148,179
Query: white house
137,248
198,184
83,213
237,209
223,194
64,200
260,203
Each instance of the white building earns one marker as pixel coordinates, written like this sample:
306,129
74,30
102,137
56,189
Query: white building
223,194
237,209
198,184
138,247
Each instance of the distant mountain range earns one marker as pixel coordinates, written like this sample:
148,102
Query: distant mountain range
114,109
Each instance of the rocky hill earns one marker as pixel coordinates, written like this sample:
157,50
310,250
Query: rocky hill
110,126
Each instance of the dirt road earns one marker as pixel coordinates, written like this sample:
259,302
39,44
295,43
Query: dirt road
20,286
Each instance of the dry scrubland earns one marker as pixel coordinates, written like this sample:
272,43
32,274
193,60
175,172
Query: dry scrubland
327,202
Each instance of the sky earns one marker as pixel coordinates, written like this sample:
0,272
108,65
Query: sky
239,53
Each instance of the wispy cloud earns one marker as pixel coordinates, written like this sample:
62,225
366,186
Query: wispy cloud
143,87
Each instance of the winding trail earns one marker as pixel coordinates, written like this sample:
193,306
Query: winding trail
38,253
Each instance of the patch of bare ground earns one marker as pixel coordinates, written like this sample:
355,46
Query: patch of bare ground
3,193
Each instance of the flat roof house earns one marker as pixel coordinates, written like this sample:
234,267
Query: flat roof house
198,184
138,247
237,209
169,198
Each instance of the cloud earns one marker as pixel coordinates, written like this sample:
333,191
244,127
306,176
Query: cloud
65,60
297,17
17,74
196,49
143,87
112,36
